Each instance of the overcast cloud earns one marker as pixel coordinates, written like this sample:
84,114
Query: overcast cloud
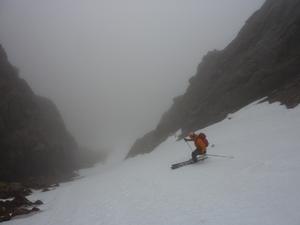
113,66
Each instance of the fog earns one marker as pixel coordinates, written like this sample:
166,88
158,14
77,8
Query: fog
112,67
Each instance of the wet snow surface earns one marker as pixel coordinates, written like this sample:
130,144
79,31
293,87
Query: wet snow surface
259,186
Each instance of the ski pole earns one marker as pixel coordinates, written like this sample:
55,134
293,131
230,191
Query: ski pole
221,156
188,145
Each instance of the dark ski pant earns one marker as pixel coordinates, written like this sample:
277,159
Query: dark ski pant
195,153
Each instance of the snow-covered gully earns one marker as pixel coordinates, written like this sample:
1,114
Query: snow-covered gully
259,186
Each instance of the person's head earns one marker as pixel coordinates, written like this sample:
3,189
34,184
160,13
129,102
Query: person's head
202,135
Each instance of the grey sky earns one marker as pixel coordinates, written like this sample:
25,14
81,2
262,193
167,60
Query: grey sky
113,66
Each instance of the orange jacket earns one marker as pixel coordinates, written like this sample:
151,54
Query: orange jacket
199,143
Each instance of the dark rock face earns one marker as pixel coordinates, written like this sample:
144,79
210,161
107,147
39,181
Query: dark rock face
33,139
10,190
262,61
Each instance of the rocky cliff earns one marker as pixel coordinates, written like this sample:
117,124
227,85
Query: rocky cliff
262,61
33,139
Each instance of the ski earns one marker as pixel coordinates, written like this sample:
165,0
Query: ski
185,163
178,165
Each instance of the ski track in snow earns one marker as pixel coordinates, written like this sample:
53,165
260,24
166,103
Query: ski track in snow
259,186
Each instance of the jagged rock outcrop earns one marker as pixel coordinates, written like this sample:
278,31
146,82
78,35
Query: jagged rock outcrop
19,205
33,139
262,61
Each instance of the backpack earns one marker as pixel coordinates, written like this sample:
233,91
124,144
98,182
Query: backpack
203,138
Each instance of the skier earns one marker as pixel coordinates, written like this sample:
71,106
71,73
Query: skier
200,142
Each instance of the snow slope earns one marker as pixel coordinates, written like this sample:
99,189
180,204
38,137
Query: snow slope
259,186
